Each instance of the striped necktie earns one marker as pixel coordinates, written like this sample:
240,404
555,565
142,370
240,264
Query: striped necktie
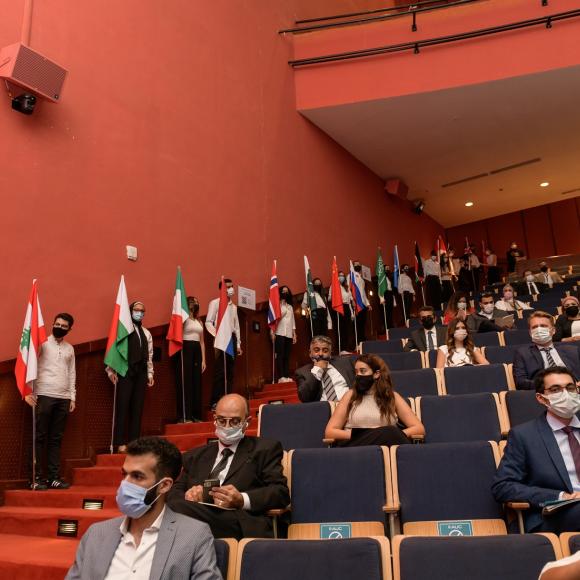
328,387
549,357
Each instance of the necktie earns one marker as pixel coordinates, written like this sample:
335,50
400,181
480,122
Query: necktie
574,448
328,387
551,361
430,343
221,464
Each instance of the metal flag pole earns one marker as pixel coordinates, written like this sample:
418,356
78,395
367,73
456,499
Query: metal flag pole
182,384
114,415
404,310
338,331
422,292
385,316
34,448
355,331
274,360
225,373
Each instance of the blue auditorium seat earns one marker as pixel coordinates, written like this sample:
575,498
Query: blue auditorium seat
475,379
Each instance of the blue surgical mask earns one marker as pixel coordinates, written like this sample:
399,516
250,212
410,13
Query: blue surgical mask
131,499
230,435
341,279
138,315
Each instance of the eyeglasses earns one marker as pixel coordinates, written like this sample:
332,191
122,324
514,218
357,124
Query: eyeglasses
228,421
572,389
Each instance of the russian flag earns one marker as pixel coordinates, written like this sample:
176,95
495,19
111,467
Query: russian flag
274,312
355,291
224,337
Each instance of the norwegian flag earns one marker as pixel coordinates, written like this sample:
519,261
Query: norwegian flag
274,312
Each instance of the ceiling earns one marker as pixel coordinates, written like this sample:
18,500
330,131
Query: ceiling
441,137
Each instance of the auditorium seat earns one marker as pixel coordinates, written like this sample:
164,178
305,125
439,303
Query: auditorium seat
381,346
500,354
399,333
443,482
520,407
476,379
226,551
455,418
295,426
486,339
364,558
570,542
347,485
516,337
431,358
403,361
513,557
416,383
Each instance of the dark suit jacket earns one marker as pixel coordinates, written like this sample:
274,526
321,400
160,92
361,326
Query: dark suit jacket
310,388
532,469
528,361
256,469
418,340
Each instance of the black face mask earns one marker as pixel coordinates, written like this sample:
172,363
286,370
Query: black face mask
59,332
428,322
317,287
358,268
572,311
194,308
363,383
544,268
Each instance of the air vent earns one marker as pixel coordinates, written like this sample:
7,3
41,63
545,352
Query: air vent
493,172
67,528
465,180
571,191
93,504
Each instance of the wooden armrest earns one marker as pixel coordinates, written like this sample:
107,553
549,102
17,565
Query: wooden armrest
418,438
518,505
277,512
328,441
391,509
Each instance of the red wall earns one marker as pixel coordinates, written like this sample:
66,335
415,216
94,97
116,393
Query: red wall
546,230
177,133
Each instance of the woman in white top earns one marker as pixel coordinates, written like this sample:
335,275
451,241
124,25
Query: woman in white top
191,361
371,411
459,349
284,336
493,272
406,290
343,323
508,303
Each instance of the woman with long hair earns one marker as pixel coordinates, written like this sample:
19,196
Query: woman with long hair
284,336
457,307
371,412
508,303
459,349
568,323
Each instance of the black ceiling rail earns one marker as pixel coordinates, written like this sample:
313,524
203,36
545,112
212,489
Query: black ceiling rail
412,12
415,46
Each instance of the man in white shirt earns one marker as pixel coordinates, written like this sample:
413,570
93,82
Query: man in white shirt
546,276
223,369
529,284
150,541
432,270
406,290
53,398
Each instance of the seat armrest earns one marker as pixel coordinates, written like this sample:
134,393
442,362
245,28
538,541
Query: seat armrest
518,505
278,512
328,441
418,438
391,509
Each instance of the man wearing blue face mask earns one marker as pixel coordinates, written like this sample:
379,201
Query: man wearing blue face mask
249,471
151,541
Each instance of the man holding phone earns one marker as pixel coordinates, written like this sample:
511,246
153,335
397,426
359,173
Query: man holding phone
241,476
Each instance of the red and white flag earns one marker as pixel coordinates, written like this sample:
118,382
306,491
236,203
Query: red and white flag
179,314
33,335
274,311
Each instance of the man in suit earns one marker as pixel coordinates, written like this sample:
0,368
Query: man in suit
529,285
326,378
541,462
529,359
429,337
485,319
249,470
151,541
547,277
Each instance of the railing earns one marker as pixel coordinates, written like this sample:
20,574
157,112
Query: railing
415,46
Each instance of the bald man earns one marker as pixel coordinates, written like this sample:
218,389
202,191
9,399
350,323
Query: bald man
249,470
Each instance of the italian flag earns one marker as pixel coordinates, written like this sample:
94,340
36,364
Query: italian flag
179,314
116,355
33,335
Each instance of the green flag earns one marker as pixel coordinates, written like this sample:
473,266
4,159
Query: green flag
381,275
309,287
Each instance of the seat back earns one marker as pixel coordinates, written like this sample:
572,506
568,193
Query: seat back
226,551
513,557
445,481
500,354
295,426
521,407
416,383
486,339
570,542
515,337
367,558
398,333
403,361
454,418
475,379
347,484
431,358
379,346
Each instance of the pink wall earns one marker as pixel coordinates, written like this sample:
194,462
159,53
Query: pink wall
177,133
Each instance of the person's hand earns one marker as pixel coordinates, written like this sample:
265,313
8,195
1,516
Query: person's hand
203,366
71,407
414,298
295,339
150,381
574,495
321,364
31,400
194,493
227,496
240,351
113,377
272,336
369,307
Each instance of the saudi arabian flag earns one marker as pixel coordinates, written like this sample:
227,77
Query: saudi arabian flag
381,275
309,287
117,353
179,314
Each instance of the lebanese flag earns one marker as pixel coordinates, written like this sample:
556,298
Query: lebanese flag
224,339
274,312
442,246
117,353
336,289
33,335
179,314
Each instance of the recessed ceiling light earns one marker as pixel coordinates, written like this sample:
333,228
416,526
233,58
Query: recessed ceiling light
468,203
544,184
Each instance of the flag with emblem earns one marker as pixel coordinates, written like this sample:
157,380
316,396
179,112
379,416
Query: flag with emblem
381,275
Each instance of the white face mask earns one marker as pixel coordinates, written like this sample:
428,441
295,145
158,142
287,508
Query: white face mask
230,291
230,435
541,335
460,334
508,295
564,404
462,305
488,308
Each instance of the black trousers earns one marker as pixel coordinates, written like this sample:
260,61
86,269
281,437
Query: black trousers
433,285
493,275
343,326
129,405
188,390
50,421
408,302
361,325
282,350
388,435
320,322
389,300
567,519
446,292
220,375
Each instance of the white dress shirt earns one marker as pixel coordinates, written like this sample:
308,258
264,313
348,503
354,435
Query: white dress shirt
131,561
459,358
405,284
564,446
192,329
553,352
224,472
212,315
431,268
344,292
575,328
433,333
286,325
512,305
56,370
338,381
532,288
319,304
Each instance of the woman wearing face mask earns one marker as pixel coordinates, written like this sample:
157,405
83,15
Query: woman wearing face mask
568,323
508,303
371,412
457,307
321,321
459,350
130,389
284,336
190,360
343,323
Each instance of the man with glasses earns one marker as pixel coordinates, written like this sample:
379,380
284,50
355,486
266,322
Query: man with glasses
53,398
429,337
245,474
541,463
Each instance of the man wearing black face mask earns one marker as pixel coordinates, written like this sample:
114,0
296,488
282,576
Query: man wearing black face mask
429,337
53,398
